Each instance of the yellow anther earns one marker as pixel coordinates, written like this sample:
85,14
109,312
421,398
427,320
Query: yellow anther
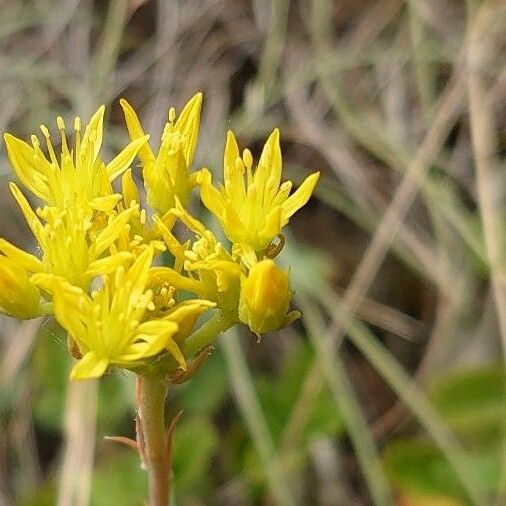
247,158
45,131
172,115
60,123
35,142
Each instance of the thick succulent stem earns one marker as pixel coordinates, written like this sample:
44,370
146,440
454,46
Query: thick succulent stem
152,436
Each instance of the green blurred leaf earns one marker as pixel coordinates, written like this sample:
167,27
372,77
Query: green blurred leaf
195,441
50,368
278,396
119,480
43,496
114,403
472,402
205,392
417,466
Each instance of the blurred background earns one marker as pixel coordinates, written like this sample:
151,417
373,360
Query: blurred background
390,390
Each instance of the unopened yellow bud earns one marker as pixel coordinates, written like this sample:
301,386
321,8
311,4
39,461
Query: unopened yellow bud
18,296
265,296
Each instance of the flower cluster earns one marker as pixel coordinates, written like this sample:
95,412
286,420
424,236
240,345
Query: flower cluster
98,267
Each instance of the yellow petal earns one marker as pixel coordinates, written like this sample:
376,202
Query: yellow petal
22,158
71,308
135,131
188,124
31,218
160,275
210,196
272,227
111,232
26,260
190,221
234,227
178,170
174,350
151,340
230,155
129,188
107,264
282,195
185,315
154,327
138,273
270,163
265,296
173,245
246,252
106,203
122,162
92,138
19,297
298,199
89,367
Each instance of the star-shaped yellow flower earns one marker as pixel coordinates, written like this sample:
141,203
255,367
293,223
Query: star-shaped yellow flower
211,270
71,247
79,177
166,175
108,326
253,206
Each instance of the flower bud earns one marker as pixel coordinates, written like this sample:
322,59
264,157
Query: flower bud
265,296
18,296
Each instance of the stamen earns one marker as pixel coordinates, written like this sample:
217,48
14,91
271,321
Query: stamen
247,158
64,147
172,115
77,140
45,133
35,142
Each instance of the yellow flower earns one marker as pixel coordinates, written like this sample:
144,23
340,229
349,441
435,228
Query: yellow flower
19,297
265,297
71,247
212,272
79,177
166,176
140,231
253,212
108,326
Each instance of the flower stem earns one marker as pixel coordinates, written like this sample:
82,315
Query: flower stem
207,333
152,391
